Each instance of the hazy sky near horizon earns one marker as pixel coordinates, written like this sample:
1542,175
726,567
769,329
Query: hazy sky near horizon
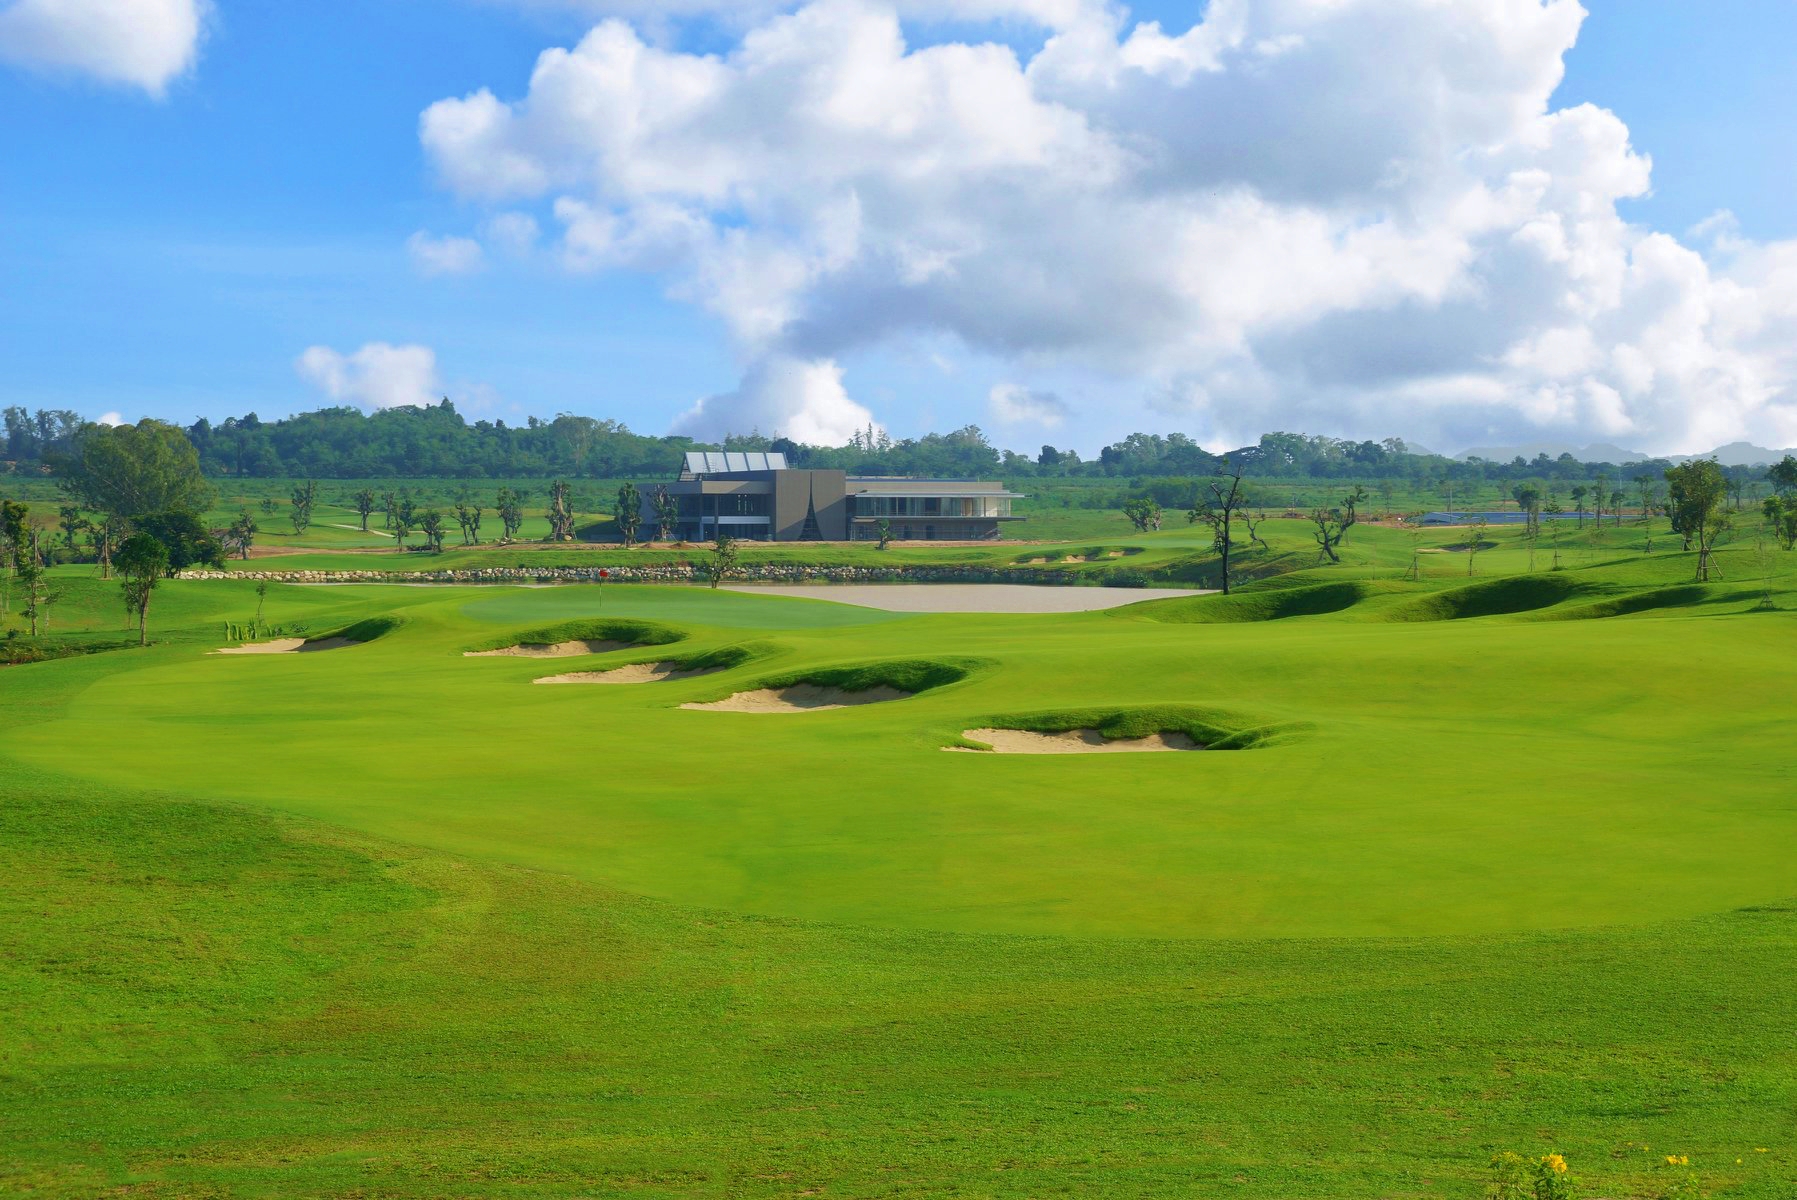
1462,222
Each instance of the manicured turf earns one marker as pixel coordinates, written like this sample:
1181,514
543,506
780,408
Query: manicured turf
1511,868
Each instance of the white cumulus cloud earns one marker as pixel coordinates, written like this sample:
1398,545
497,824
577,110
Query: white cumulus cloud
1053,14
138,43
444,255
513,233
802,400
378,375
1013,404
1349,215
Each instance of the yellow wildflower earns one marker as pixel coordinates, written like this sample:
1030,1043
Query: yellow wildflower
1556,1163
1678,1160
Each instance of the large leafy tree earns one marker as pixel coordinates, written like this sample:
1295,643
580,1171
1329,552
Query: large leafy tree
185,538
141,561
1783,475
1694,495
131,471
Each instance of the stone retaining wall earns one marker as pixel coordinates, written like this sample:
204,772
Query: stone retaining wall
662,574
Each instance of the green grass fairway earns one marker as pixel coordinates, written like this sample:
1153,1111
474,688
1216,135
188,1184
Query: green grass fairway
1506,862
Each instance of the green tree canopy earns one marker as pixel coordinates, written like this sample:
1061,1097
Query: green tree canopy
132,471
186,540
141,560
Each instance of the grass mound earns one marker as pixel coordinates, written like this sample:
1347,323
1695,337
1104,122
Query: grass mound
1214,729
1271,604
1491,598
818,688
370,629
710,662
903,674
17,651
724,658
1637,602
623,631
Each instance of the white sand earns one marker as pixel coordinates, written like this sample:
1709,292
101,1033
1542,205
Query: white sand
288,646
273,646
634,673
1074,741
967,597
558,650
804,697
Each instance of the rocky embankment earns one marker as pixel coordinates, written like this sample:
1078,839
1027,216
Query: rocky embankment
669,573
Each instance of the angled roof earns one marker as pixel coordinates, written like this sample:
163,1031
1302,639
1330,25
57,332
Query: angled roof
719,462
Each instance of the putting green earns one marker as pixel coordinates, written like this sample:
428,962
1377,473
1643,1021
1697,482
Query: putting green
1437,777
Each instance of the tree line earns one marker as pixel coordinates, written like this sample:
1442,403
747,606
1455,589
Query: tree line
438,442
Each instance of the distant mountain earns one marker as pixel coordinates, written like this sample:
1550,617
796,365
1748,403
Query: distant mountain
1746,454
1596,452
1735,454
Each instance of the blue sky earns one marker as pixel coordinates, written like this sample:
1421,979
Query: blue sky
173,256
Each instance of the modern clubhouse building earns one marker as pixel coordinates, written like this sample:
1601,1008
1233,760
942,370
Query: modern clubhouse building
756,496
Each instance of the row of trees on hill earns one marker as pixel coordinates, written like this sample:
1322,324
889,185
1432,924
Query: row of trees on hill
436,441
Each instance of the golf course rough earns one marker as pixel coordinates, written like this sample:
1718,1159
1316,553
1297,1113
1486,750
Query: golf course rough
394,922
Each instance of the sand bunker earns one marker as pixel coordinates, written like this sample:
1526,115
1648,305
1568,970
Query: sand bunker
1073,741
804,697
558,650
634,673
288,646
